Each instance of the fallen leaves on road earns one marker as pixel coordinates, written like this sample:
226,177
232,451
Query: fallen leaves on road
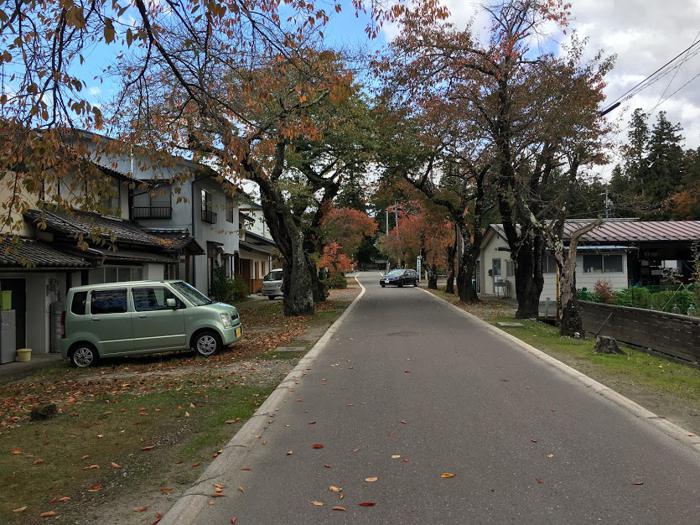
395,456
447,475
637,483
48,514
317,445
550,455
15,451
63,499
115,465
95,487
148,447
234,520
339,507
166,490
367,504
141,508
19,509
317,503
336,489
371,479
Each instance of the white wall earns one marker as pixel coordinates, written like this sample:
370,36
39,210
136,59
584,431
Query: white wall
617,280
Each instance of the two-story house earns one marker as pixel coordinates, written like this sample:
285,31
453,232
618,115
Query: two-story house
257,252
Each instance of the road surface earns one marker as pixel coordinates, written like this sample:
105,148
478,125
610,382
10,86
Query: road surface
408,390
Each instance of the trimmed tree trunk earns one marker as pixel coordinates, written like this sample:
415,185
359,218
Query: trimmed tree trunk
529,280
432,276
451,252
465,277
297,286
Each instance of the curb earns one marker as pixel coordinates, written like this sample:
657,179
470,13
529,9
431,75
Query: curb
685,437
187,508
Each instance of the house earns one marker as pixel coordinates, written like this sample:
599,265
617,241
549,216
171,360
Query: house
51,249
257,252
621,252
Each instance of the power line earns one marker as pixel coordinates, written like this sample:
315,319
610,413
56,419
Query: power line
663,93
655,76
676,91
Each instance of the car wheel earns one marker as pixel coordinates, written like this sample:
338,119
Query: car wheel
206,343
271,297
400,284
382,285
83,355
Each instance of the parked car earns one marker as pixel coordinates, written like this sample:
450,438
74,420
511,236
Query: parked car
399,278
144,317
272,284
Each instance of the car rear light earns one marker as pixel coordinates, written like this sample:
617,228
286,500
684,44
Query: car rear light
63,325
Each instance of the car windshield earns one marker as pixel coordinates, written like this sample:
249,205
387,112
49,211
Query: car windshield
394,273
193,295
275,275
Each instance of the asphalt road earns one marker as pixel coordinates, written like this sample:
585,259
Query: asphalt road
407,376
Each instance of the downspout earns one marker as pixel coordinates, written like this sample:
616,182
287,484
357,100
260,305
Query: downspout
194,257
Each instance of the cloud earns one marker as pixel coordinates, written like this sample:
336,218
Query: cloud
95,91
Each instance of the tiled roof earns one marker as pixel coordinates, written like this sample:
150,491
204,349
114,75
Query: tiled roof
29,253
631,231
90,225
179,239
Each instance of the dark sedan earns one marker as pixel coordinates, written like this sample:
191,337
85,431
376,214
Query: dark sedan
399,278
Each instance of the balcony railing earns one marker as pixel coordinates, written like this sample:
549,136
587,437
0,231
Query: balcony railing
152,212
209,216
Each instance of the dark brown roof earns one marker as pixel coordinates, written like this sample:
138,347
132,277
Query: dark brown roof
179,239
75,223
21,253
632,231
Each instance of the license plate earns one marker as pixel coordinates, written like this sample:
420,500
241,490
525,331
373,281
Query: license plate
386,281
238,331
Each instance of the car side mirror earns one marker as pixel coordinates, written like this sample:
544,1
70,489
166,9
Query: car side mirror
171,303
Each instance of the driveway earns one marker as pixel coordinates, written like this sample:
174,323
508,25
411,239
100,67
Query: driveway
457,425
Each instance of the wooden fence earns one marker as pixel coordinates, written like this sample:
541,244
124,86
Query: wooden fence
674,335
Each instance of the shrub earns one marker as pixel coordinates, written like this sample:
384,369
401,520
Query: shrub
636,296
227,290
336,280
665,301
585,295
604,292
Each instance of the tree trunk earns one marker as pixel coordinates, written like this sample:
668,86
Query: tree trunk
432,276
297,283
465,275
451,252
528,277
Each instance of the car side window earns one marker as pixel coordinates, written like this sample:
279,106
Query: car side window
152,298
108,301
77,305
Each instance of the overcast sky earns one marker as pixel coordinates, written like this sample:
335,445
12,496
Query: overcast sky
643,34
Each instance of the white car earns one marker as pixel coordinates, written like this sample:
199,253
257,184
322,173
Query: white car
272,284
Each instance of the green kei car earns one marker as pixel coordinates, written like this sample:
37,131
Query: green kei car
144,317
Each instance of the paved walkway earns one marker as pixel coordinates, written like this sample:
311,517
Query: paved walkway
409,391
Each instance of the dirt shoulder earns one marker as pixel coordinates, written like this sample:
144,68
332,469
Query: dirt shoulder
133,434
667,388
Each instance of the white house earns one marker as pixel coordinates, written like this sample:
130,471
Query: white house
621,252
257,251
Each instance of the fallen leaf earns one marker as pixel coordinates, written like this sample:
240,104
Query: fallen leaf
395,456
157,520
100,436
533,441
195,465
317,445
312,422
148,447
15,451
367,504
637,483
217,495
539,481
115,465
234,520
371,479
247,469
404,422
166,490
48,514
241,489
91,467
317,503
338,507
86,456
95,487
20,509
63,499
290,452
37,461
326,466
336,489
447,475
550,455
141,508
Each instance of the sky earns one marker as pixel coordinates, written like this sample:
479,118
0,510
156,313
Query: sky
642,34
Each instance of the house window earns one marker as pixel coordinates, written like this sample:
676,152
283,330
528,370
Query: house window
208,214
230,208
114,274
603,263
509,269
592,263
549,264
612,263
496,267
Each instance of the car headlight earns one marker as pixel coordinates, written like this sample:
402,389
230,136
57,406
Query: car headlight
225,320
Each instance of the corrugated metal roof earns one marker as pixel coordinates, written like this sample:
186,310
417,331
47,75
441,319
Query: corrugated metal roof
631,231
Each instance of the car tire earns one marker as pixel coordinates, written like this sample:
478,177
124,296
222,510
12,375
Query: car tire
271,297
206,343
83,355
400,284
382,285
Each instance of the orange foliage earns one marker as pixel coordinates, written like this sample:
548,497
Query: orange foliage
335,259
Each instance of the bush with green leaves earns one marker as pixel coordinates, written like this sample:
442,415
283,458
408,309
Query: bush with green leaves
336,280
665,301
637,296
225,289
585,295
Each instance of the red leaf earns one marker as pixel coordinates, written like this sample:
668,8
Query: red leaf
367,504
234,520
637,483
317,445
148,447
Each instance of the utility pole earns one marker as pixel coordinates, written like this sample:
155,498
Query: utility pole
386,216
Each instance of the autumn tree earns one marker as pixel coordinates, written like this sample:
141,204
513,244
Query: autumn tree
348,228
524,104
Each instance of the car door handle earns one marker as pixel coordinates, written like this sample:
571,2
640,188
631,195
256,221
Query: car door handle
142,316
